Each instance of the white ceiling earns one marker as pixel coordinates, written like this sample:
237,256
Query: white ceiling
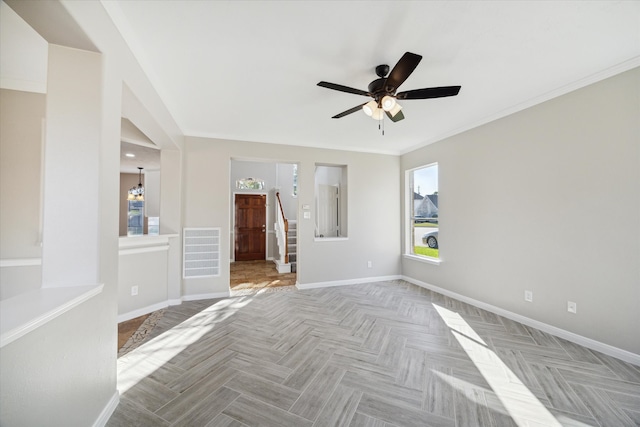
247,70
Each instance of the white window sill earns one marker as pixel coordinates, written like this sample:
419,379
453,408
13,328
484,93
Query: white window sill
424,259
20,262
24,313
329,239
144,243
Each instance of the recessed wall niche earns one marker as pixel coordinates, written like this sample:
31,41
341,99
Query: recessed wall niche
331,201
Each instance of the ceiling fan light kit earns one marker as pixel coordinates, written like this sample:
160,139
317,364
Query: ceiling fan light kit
383,90
388,102
369,108
395,110
378,114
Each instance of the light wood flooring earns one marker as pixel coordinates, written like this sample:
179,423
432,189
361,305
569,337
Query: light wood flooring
377,354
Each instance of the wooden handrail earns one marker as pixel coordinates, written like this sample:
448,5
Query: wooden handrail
286,229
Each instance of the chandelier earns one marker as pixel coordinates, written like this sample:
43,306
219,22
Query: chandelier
137,193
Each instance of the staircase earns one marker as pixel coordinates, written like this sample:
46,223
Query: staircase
292,244
287,240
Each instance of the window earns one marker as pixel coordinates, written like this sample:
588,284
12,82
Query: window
295,179
422,224
250,184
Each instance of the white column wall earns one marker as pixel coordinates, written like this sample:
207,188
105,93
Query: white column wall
71,165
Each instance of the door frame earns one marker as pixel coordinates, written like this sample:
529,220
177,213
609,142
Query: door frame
232,240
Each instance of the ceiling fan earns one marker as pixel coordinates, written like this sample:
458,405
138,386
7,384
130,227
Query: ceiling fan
383,90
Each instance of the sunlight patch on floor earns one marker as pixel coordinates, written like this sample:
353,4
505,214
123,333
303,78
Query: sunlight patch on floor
146,359
518,400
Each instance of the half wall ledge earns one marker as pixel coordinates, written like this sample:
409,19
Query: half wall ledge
26,312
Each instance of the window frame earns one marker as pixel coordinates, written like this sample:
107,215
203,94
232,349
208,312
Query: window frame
410,215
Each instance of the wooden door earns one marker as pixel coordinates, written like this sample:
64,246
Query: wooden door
250,227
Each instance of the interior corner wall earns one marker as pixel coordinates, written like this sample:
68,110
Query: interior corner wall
374,209
547,200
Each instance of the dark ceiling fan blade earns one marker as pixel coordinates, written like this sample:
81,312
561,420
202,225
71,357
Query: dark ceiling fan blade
349,111
402,71
342,88
430,92
399,116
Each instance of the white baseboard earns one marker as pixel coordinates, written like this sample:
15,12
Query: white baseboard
142,311
107,411
213,295
607,349
164,304
346,282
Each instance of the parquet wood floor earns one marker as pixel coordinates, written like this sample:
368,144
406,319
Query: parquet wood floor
128,328
377,354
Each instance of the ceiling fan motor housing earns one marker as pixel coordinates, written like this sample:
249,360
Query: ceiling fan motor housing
382,70
377,89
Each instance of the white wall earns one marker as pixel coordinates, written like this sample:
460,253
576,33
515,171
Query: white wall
70,249
63,373
547,200
284,182
374,183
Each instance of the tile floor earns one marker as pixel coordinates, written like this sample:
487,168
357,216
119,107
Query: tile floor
375,354
247,277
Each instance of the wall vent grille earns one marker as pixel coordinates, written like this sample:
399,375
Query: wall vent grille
201,252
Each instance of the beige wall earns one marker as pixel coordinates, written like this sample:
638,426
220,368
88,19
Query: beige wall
546,200
374,209
21,127
147,271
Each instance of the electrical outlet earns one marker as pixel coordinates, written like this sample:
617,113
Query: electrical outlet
572,307
369,264
528,296
134,290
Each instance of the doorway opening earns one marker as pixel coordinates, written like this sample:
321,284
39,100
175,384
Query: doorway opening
261,193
